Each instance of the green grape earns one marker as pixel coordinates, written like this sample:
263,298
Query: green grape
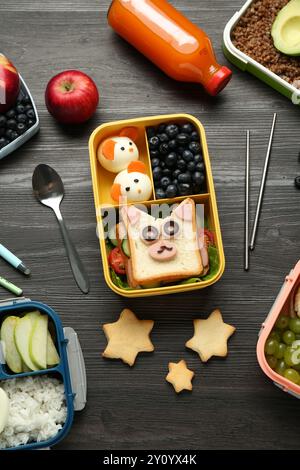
280,367
292,375
288,353
296,355
272,361
282,322
275,335
297,336
288,337
296,367
294,325
280,351
271,347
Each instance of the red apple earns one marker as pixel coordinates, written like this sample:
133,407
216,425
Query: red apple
9,84
71,97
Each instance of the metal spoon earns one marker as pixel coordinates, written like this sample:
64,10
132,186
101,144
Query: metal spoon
48,188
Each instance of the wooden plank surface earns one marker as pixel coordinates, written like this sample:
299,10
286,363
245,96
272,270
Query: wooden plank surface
233,405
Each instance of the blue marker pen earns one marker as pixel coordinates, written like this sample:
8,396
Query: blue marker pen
13,260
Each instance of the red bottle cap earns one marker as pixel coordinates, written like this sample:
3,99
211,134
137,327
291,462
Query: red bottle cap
218,81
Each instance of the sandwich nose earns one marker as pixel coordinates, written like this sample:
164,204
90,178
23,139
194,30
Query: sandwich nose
131,150
163,250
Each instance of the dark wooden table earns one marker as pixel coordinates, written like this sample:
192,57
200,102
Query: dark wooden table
233,405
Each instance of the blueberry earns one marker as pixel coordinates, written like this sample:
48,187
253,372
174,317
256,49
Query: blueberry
160,194
198,178
297,182
157,172
20,109
195,136
155,162
154,153
184,178
195,147
181,165
187,156
173,144
187,128
183,139
30,122
14,135
2,131
171,191
162,164
154,142
171,159
2,120
175,181
27,107
163,137
167,172
199,167
172,130
191,166
22,118
180,149
150,132
198,158
184,189
11,114
25,99
30,114
164,148
21,128
176,173
164,182
11,124
161,128
8,134
3,142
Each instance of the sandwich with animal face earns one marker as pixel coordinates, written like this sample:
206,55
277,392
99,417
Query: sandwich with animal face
162,250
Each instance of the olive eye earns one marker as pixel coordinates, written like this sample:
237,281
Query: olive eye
136,180
150,234
122,148
171,228
130,143
127,189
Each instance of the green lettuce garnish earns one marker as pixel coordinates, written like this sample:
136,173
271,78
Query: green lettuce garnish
213,267
119,280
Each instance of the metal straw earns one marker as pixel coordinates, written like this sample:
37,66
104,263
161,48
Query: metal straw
247,187
262,185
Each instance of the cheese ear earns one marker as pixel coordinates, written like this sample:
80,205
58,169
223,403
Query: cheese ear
115,192
130,132
131,214
185,210
108,149
136,167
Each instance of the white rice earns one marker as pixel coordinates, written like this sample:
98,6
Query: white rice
37,410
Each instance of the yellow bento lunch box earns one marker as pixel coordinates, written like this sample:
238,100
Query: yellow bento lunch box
103,180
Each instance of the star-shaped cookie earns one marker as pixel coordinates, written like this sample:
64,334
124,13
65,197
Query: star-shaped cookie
127,337
180,376
211,336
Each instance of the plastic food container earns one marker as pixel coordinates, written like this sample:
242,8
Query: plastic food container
103,180
281,306
71,369
246,63
24,90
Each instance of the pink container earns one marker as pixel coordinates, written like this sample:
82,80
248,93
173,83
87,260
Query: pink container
281,306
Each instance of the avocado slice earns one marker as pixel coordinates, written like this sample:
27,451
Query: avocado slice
286,29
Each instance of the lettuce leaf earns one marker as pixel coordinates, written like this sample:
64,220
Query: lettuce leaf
119,280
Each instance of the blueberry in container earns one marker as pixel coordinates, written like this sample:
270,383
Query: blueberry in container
23,136
70,371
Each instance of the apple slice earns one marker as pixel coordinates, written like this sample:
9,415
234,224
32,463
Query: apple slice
12,357
4,408
52,354
22,336
38,342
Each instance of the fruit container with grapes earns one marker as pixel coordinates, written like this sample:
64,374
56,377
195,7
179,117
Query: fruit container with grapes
278,347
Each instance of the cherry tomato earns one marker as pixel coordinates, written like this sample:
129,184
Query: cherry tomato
115,260
210,238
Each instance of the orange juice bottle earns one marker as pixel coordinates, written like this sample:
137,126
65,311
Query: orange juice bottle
178,47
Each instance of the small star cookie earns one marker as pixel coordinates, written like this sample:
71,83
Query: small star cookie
127,337
211,336
180,376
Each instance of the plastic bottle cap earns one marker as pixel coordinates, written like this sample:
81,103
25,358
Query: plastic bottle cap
218,81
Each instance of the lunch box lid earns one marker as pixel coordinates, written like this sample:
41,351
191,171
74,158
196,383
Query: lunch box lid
291,282
246,63
15,144
72,368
